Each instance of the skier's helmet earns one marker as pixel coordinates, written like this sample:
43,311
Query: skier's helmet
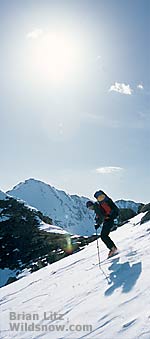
98,194
89,204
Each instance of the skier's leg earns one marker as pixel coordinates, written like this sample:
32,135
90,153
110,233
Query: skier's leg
105,234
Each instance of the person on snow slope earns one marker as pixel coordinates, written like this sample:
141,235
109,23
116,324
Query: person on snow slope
106,211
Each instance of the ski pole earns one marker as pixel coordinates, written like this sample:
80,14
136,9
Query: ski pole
99,260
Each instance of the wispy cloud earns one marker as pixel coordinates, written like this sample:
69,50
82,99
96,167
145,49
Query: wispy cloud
109,169
121,88
35,34
140,86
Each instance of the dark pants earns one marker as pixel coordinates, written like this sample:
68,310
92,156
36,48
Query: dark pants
105,232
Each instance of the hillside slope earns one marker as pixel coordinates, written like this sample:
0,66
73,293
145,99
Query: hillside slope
27,239
59,300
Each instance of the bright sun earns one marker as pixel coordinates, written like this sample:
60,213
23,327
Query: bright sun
55,57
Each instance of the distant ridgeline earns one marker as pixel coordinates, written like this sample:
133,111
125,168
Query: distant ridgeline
67,211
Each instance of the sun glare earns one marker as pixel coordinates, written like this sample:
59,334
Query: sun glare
55,57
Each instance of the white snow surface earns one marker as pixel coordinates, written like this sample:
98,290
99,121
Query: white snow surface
52,228
76,289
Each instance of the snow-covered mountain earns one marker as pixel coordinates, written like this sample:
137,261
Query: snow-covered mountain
3,195
40,223
73,299
128,204
67,211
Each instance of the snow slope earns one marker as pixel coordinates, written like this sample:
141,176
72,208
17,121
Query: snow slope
43,226
67,211
3,195
59,300
51,228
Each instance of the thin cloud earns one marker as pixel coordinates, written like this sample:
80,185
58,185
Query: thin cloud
140,86
121,88
35,34
109,170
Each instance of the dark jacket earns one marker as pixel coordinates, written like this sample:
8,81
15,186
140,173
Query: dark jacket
105,210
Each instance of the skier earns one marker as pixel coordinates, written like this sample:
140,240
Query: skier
106,211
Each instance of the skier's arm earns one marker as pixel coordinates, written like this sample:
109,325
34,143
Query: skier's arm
98,227
99,219
99,222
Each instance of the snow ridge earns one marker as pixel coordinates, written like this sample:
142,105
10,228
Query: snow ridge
128,204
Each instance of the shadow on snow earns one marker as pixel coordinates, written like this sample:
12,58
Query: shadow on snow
123,275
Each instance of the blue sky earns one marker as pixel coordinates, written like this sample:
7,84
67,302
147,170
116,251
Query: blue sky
75,95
